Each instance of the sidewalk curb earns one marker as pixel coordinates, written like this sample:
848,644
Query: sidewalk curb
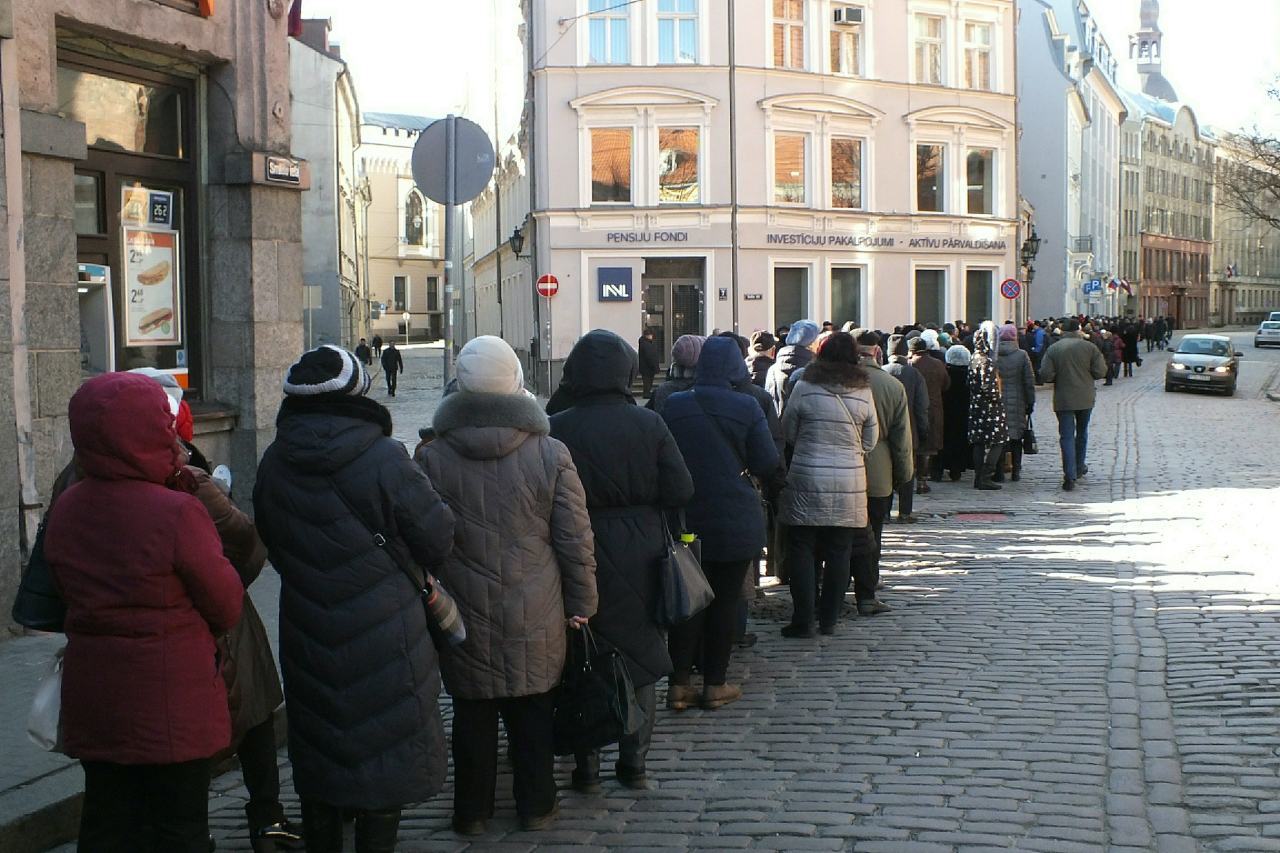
45,813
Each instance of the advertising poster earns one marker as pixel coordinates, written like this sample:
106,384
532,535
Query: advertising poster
151,288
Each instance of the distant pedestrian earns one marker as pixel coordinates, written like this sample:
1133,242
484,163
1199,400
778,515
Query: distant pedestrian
798,352
724,437
377,346
1018,391
937,381
763,348
957,455
988,429
392,366
913,382
140,566
1130,335
650,361
363,355
1073,365
684,363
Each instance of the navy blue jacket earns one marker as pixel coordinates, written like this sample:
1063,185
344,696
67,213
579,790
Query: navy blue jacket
726,512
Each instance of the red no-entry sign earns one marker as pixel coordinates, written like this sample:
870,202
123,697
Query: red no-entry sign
548,286
1011,289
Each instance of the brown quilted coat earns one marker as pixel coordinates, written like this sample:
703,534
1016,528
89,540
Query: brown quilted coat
523,555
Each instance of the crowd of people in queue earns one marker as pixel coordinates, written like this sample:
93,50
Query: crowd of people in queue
787,448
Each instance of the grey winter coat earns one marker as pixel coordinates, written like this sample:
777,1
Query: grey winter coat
1018,387
917,396
831,427
523,557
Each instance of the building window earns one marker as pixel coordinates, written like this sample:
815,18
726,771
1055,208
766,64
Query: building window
677,31
846,41
400,285
846,296
977,56
611,165
928,52
977,296
609,32
846,173
930,185
981,180
790,295
678,165
788,34
433,293
415,231
789,168
931,296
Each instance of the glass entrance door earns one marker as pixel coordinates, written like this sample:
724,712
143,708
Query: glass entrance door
673,300
931,296
790,295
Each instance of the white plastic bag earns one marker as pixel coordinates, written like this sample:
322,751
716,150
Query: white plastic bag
44,722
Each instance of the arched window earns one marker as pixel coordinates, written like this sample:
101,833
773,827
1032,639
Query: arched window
415,221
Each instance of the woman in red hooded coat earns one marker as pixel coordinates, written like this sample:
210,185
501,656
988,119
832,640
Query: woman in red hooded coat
140,566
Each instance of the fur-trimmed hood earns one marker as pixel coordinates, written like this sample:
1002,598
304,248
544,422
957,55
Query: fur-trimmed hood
835,375
488,426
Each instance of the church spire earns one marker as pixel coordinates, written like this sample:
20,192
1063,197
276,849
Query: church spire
1147,48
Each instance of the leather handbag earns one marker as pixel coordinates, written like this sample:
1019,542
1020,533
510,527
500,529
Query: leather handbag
683,588
444,621
1029,445
38,605
595,704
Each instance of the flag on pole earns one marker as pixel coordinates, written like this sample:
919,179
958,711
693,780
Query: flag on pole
295,19
1125,286
1113,285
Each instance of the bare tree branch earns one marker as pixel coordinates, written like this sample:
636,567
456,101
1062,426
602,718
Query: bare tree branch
1249,182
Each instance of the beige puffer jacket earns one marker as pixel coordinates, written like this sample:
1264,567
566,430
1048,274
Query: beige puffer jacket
831,426
523,555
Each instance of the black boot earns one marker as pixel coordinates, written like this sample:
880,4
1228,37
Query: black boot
376,831
321,827
586,775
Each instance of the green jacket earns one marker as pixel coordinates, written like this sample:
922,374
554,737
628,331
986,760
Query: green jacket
1073,364
892,462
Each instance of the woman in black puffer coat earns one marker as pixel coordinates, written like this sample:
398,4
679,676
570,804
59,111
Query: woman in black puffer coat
632,470
361,676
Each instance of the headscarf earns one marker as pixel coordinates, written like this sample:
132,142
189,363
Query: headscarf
986,340
1008,332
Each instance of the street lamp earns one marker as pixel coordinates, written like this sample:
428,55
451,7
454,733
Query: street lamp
516,242
1030,248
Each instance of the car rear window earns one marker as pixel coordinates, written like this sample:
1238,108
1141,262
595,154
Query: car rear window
1271,325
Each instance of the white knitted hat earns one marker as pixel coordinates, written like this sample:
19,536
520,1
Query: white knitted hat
488,365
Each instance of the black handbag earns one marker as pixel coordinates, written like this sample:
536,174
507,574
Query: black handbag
1029,445
38,605
683,588
443,619
595,704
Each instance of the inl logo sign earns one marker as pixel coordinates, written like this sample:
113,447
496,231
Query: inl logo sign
615,284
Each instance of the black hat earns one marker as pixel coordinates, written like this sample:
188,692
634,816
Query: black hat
327,370
763,341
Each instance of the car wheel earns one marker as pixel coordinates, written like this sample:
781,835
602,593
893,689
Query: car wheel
1168,386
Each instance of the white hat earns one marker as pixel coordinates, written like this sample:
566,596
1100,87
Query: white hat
488,365
167,382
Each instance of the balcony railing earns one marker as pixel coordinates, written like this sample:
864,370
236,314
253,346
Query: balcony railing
1082,245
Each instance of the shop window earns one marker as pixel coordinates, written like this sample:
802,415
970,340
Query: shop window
123,115
846,173
88,204
678,165
677,31
608,32
928,49
400,287
790,295
415,232
977,296
788,34
981,183
977,56
789,168
846,41
931,296
611,165
930,179
846,296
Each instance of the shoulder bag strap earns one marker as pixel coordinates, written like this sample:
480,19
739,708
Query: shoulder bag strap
733,448
857,433
395,549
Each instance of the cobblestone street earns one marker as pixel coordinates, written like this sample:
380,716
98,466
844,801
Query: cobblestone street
1061,672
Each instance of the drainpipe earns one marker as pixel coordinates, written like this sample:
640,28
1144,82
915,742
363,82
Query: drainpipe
11,121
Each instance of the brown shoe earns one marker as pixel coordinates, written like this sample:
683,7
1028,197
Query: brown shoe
718,695
681,697
922,487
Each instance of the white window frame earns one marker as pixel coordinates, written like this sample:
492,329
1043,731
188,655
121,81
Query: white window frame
864,42
826,308
660,126
809,195
948,282
626,13
644,111
407,290
914,40
865,144
995,179
959,129
975,49
948,175
699,18
995,299
806,23
810,265
821,118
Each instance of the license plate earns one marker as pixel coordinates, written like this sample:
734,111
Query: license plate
1199,377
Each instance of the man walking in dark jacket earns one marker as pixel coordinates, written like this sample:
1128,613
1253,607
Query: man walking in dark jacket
650,361
1073,364
392,365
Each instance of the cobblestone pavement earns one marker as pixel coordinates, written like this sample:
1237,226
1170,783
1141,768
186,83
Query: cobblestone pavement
1093,671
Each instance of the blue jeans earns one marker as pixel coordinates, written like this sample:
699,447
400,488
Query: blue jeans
1073,435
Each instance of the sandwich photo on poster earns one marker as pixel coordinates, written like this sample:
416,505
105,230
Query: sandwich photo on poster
151,288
